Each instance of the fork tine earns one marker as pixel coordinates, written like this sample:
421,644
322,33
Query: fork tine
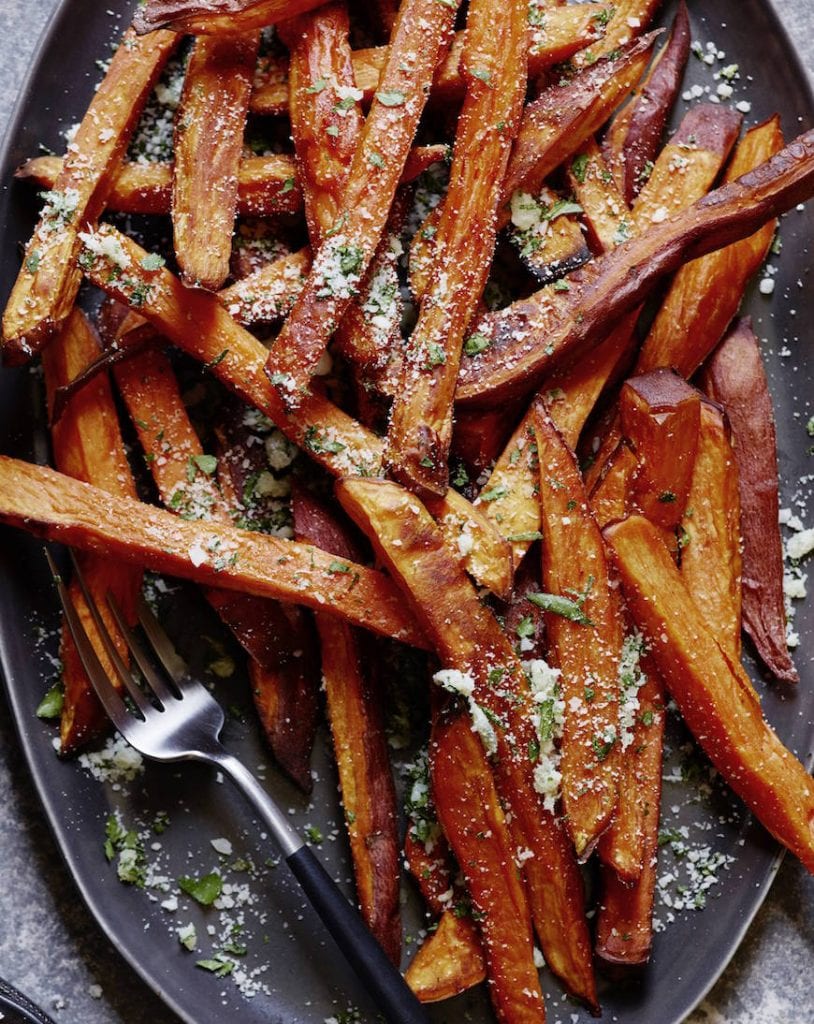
162,645
134,691
111,701
154,680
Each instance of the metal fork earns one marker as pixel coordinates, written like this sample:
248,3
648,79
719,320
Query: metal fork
177,719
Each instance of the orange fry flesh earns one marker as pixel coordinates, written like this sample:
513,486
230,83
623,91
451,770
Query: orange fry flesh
45,289
421,419
88,446
209,129
41,500
712,691
421,35
711,564
448,962
470,811
468,639
588,649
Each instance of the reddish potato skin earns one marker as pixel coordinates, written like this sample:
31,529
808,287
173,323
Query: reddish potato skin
635,134
735,378
712,690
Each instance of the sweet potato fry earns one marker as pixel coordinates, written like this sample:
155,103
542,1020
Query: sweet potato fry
266,185
735,377
279,639
55,506
712,691
480,436
215,17
469,640
706,293
473,819
660,418
603,206
420,38
87,445
565,30
625,276
584,628
634,135
45,289
611,490
628,18
326,120
209,126
710,537
563,117
360,744
420,427
624,926
197,323
549,243
448,962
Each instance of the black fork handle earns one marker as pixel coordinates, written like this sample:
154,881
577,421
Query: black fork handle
381,978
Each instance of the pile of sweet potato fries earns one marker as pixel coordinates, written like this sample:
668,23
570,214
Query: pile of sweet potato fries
560,599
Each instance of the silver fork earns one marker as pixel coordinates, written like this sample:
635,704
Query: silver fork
178,720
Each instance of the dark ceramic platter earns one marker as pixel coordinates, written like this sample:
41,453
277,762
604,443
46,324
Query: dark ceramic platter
306,977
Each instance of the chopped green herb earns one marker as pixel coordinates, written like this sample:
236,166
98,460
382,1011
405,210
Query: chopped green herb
393,98
525,627
476,343
288,185
579,167
51,704
494,493
318,86
152,261
338,567
204,890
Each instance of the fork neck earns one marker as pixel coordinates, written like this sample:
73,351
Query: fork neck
278,825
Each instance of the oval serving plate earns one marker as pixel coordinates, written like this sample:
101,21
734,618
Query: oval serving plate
291,971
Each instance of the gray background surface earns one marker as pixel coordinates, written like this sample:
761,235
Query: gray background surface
52,949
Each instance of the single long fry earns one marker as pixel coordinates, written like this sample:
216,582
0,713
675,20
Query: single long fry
50,504
624,926
326,120
625,276
634,135
420,428
88,446
473,819
360,746
209,127
735,377
45,289
199,325
279,639
603,206
468,639
566,30
448,962
266,185
586,649
201,17
420,39
711,563
712,691
705,294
